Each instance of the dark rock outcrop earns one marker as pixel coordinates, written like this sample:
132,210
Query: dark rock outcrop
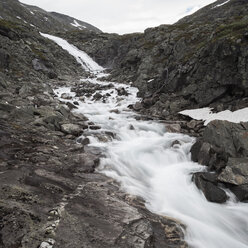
223,148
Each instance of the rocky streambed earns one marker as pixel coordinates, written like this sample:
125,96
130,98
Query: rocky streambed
151,162
50,190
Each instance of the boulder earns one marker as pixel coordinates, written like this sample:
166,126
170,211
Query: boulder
64,110
236,171
72,129
231,137
53,121
71,105
221,140
83,141
122,92
86,162
66,96
201,152
207,183
38,65
97,96
173,128
137,106
241,192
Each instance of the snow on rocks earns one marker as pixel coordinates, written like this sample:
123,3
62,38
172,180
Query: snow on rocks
219,5
207,115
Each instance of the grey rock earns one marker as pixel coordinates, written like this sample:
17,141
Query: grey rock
73,129
83,141
64,110
71,105
208,184
97,96
236,172
39,66
241,192
66,96
137,106
229,136
6,107
173,128
4,59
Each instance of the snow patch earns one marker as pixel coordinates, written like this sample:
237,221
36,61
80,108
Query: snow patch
216,6
31,12
46,19
77,25
18,17
207,115
83,58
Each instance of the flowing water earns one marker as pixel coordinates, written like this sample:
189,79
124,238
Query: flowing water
156,165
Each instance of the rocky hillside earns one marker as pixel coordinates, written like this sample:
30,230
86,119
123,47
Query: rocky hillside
26,55
199,61
13,10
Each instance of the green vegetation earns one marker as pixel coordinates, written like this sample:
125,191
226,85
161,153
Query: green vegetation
9,25
234,29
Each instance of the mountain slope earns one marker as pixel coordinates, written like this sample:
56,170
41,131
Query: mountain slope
13,10
199,61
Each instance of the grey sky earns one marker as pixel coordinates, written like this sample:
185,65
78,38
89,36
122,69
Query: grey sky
123,16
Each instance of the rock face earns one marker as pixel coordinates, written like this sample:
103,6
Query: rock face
223,148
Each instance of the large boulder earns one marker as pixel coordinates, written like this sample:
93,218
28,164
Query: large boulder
207,182
224,149
221,140
72,129
231,137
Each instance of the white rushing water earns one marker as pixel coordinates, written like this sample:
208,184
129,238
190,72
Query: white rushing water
83,58
148,162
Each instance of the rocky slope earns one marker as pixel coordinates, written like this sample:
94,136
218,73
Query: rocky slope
199,61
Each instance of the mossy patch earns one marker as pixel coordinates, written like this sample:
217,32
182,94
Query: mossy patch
234,29
8,25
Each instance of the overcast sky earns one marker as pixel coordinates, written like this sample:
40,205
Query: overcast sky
123,16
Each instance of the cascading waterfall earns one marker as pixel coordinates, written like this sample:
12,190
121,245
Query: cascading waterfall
156,165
